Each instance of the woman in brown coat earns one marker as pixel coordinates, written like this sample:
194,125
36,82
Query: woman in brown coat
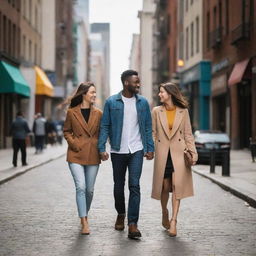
81,129
172,135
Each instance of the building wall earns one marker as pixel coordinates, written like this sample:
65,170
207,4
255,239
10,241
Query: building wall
223,26
192,32
64,42
48,35
135,53
104,30
146,49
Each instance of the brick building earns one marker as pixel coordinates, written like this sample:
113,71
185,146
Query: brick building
230,43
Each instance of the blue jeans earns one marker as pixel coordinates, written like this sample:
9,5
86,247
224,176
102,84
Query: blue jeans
84,178
134,162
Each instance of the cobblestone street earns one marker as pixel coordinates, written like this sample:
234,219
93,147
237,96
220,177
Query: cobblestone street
38,217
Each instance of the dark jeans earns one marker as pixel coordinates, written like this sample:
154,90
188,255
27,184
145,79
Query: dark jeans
19,144
39,142
134,162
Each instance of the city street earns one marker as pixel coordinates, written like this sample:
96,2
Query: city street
38,217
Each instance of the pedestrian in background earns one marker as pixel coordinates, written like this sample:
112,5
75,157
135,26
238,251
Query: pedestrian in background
39,129
172,135
127,122
19,132
51,132
81,130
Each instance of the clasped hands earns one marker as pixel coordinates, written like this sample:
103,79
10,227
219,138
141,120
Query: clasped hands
105,156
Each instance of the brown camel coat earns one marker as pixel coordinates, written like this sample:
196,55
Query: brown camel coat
176,141
82,137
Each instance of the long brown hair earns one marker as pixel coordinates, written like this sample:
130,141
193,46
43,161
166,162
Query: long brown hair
78,97
177,98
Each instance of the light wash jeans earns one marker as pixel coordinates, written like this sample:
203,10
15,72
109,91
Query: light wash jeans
84,178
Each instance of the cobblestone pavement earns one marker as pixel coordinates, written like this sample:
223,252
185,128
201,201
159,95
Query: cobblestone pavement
38,217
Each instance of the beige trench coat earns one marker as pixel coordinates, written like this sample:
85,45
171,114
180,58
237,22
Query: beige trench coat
176,141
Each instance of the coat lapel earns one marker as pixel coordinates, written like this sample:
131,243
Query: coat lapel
164,121
92,120
80,118
177,120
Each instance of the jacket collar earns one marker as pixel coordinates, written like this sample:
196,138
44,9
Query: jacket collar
177,121
119,96
88,127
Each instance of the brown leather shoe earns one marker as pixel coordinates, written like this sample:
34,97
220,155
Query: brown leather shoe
119,225
133,231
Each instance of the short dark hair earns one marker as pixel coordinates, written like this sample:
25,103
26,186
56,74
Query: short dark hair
19,113
127,74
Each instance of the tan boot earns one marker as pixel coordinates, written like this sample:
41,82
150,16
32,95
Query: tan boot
85,226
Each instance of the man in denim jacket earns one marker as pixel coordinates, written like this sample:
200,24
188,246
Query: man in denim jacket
126,121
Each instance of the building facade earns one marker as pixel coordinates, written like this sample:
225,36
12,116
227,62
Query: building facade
146,17
229,42
195,73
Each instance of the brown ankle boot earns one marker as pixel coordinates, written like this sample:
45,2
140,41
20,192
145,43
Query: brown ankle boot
119,225
133,231
85,226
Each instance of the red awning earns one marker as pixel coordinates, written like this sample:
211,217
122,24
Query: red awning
238,72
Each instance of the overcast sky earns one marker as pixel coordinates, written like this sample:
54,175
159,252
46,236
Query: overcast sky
122,16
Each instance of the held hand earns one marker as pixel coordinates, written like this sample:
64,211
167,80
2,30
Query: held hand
104,156
149,155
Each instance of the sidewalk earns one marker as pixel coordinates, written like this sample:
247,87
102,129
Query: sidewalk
242,180
8,172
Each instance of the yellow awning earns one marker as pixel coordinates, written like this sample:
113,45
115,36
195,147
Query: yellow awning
43,84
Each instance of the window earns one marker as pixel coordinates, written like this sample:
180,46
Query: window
35,55
197,34
214,18
227,16
24,46
36,19
192,39
191,2
186,5
9,41
187,43
4,33
220,14
30,50
1,32
208,29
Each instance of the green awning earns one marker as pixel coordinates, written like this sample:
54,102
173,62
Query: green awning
12,81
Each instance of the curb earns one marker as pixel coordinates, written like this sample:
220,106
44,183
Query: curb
28,169
235,192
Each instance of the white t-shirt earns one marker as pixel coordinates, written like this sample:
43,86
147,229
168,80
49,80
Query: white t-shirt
131,139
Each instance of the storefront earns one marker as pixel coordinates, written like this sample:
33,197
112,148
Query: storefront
196,84
13,90
44,93
242,85
220,103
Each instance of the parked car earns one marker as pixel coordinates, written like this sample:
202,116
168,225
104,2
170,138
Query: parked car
208,140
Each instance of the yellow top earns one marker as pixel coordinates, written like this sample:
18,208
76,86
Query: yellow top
170,117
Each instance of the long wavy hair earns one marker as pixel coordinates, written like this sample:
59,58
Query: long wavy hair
78,97
177,98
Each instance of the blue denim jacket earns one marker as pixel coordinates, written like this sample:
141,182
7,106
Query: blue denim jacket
112,123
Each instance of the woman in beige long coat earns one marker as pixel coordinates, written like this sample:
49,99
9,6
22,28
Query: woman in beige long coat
81,130
172,135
